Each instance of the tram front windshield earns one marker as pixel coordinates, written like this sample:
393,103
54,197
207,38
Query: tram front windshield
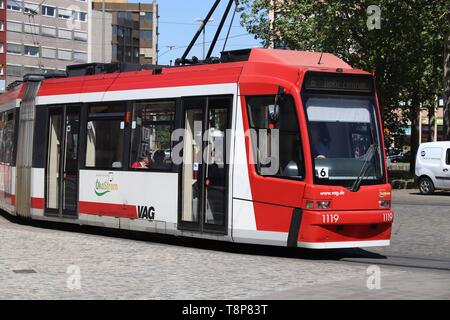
344,138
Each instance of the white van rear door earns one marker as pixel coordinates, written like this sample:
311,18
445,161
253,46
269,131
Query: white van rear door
431,160
446,168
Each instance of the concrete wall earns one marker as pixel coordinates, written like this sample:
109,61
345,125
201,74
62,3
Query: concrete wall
98,43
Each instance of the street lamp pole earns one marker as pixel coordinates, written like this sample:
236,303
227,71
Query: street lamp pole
200,20
204,40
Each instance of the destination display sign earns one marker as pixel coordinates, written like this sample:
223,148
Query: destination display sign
337,82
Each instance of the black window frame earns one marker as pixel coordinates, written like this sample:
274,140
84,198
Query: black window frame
302,165
160,122
305,95
447,158
84,132
11,146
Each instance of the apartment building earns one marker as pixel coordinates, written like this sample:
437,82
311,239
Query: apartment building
134,29
45,35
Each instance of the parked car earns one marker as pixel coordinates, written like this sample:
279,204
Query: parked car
400,158
433,167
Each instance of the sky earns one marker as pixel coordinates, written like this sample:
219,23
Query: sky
177,27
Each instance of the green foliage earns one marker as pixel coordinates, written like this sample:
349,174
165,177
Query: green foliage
406,53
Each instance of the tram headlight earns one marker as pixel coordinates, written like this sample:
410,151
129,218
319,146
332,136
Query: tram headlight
385,204
324,205
319,205
309,204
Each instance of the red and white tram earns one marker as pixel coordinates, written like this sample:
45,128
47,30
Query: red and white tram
102,150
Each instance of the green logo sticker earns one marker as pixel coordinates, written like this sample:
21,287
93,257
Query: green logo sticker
103,188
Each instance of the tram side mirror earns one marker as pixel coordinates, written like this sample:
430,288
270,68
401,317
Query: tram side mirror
274,113
274,110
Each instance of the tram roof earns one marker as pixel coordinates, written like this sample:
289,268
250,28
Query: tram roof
237,65
12,95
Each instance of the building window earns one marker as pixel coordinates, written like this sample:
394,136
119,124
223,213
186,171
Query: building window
146,35
105,136
153,124
31,51
114,50
31,28
14,48
14,26
65,34
121,15
48,31
64,54
80,36
80,16
14,5
146,17
14,70
31,8
120,32
48,53
2,47
80,56
2,26
65,14
48,11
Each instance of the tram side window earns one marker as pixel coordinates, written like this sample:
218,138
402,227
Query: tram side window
153,124
276,145
105,136
447,160
7,126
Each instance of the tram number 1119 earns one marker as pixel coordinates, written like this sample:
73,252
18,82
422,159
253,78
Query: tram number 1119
330,218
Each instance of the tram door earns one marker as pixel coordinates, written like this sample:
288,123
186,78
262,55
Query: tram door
204,173
61,190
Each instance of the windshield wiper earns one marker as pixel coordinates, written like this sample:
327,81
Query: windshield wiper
369,156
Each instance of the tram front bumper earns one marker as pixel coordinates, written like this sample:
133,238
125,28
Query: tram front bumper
345,229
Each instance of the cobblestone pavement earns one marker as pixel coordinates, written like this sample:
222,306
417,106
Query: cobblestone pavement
421,227
117,268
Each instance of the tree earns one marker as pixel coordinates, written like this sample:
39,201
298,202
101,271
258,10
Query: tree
447,88
406,52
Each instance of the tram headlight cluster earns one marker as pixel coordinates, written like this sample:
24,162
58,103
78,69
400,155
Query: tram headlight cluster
321,205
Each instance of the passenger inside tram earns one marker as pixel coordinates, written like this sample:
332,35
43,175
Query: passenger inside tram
158,160
320,141
143,163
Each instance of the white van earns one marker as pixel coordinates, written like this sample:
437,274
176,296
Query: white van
433,166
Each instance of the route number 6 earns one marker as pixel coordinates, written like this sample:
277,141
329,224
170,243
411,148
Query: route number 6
323,172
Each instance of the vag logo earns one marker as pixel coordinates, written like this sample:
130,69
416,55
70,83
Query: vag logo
146,213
